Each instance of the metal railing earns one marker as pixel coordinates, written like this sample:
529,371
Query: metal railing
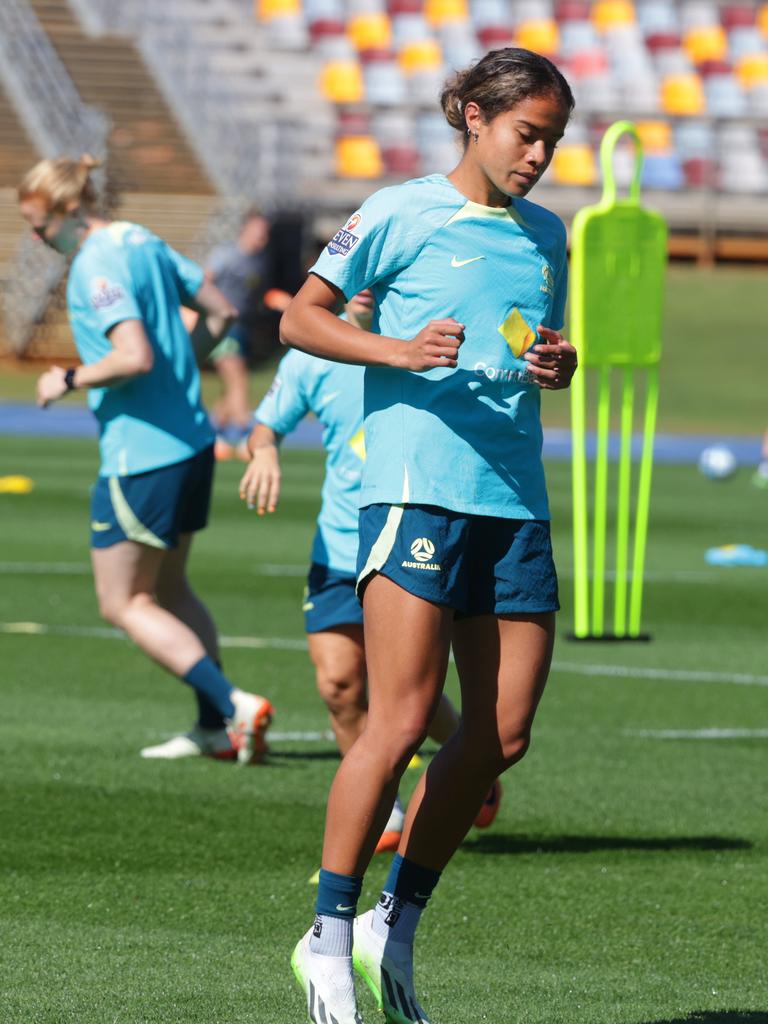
242,154
58,122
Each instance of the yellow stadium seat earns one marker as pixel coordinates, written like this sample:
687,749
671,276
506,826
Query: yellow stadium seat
607,14
706,42
438,12
358,156
420,55
752,70
540,35
341,81
574,165
683,95
656,136
371,31
267,10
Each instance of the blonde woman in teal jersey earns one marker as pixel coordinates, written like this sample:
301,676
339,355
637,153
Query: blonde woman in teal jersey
152,494
469,280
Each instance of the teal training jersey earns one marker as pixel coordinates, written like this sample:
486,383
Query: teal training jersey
334,393
124,272
467,439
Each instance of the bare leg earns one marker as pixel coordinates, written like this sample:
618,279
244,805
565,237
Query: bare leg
503,665
339,658
233,407
175,594
338,655
445,721
126,576
407,641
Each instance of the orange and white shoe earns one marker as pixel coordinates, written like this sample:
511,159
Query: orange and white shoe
223,451
490,808
393,830
248,726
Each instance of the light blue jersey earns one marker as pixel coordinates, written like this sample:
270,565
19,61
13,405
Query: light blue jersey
124,272
334,393
467,439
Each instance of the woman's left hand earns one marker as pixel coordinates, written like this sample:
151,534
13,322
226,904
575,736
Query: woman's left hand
51,385
554,363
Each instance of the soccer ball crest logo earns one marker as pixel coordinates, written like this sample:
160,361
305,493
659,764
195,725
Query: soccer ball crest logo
422,549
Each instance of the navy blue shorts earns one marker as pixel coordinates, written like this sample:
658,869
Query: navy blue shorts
236,343
478,565
330,600
153,508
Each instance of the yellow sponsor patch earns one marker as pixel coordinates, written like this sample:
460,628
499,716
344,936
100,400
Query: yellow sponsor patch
357,444
517,334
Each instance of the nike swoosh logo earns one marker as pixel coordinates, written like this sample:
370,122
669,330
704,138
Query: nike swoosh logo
329,398
462,263
100,527
344,910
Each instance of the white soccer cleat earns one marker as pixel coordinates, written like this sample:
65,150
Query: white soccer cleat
387,969
249,724
328,983
393,830
195,743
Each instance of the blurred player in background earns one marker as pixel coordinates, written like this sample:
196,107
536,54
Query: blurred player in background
469,283
333,616
154,486
242,271
760,476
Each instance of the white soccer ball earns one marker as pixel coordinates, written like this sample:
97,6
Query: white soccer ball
717,462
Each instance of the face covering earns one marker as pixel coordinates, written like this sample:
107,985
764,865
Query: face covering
69,235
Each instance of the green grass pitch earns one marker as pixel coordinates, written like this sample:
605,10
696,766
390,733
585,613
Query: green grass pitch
624,882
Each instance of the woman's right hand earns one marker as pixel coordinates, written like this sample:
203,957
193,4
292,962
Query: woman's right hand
437,344
260,485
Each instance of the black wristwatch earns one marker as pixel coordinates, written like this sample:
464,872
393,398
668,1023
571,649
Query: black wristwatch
69,378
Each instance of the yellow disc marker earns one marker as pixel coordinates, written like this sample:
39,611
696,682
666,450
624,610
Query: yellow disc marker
16,484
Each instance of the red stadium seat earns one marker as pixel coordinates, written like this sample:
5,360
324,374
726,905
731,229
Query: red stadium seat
737,16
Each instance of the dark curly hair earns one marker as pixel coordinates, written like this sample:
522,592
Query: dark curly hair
499,81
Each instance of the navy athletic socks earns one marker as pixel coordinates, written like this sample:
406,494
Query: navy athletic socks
207,679
337,897
404,897
208,716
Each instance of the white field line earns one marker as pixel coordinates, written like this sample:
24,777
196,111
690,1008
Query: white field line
299,644
272,569
46,568
669,674
84,569
698,734
258,643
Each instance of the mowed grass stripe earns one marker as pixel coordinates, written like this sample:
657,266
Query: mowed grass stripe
296,644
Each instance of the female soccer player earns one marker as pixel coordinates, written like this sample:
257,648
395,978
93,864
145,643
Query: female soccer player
153,490
333,616
469,280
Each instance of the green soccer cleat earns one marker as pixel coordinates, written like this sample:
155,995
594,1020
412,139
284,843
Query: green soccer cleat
328,983
387,969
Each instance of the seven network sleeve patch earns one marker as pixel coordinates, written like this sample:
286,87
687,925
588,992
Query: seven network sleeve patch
344,241
105,293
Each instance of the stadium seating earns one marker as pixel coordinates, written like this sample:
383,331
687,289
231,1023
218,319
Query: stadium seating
661,62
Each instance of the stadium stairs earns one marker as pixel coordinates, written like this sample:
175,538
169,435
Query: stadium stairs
154,176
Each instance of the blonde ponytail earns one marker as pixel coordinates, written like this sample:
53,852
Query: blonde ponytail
62,183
